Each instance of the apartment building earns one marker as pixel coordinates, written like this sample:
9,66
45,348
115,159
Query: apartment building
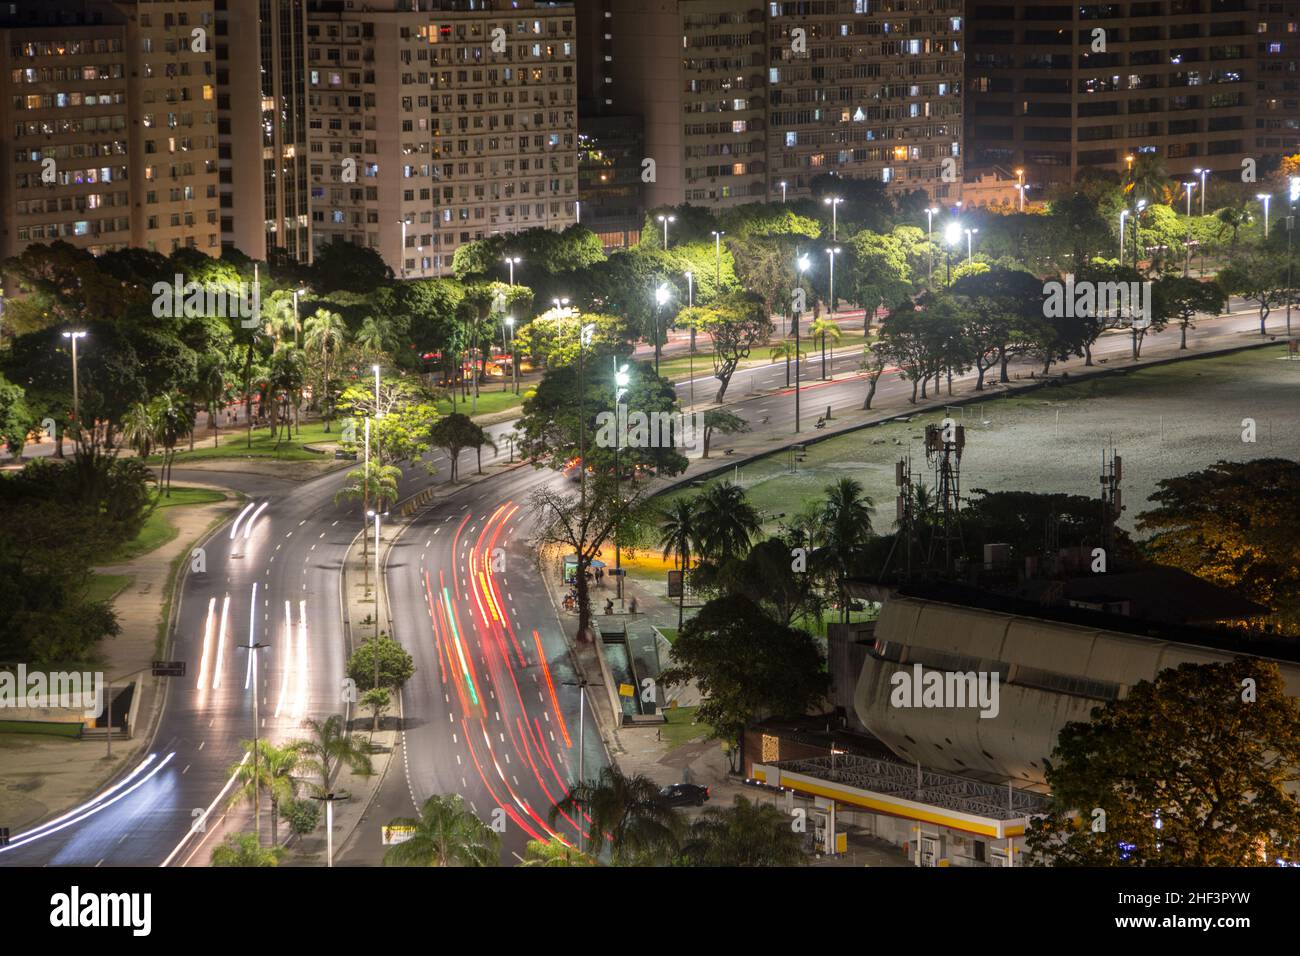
262,128
433,127
868,90
1277,105
109,113
1056,88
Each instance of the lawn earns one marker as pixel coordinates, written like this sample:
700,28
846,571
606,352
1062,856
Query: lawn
39,728
1164,421
681,728
679,368
287,448
158,529
105,587
490,401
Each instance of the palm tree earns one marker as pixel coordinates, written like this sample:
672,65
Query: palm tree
846,518
173,418
242,849
1234,217
785,350
745,834
139,428
274,775
329,747
447,833
379,485
725,521
826,328
554,852
210,392
678,537
1148,179
324,332
626,811
287,377
370,337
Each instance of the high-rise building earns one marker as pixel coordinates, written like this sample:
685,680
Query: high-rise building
1277,103
1056,89
262,119
439,123
741,96
867,90
110,116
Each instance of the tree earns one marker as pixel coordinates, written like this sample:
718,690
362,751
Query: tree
724,422
826,328
1195,768
243,849
785,349
878,274
1185,299
1148,179
454,434
209,392
875,358
1003,309
271,773
746,667
580,525
447,833
626,811
15,417
725,521
679,537
377,700
396,666
1233,524
345,266
371,483
554,852
846,519
1260,277
772,577
736,323
325,334
744,834
329,747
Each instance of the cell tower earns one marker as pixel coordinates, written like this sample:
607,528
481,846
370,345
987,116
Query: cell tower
1112,498
943,449
906,517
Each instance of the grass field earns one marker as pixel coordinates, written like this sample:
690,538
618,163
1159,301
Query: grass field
40,728
490,401
158,529
678,369
288,448
1164,421
105,587
680,728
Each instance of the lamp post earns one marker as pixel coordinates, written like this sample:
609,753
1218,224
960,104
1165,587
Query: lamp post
666,220
297,325
513,261
1202,173
1187,251
717,261
581,684
1137,222
951,236
1020,187
969,243
514,359
253,647
661,298
376,515
830,255
329,800
402,223
929,237
1123,214
584,337
690,304
802,263
621,379
782,184
1290,221
76,390
1265,198
834,203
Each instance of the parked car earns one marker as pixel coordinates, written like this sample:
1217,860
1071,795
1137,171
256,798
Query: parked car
684,795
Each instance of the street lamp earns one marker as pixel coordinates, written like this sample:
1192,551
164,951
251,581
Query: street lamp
376,515
253,647
1020,188
1123,214
1137,239
690,304
951,236
1265,199
929,237
76,391
666,220
969,234
584,337
402,222
783,185
621,380
802,264
1187,251
717,261
834,203
830,255
662,295
297,326
1202,173
514,359
513,261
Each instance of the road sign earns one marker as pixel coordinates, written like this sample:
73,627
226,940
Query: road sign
626,690
168,668
393,835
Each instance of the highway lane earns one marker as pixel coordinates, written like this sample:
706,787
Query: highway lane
492,711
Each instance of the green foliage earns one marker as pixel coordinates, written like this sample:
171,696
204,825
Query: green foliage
303,816
626,814
447,833
1195,768
242,850
744,834
396,666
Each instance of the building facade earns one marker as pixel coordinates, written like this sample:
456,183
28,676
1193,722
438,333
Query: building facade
430,129
1058,89
110,116
1277,105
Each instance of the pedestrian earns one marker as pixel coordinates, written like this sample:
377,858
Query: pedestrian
631,606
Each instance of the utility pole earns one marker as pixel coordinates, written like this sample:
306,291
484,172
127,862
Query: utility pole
252,647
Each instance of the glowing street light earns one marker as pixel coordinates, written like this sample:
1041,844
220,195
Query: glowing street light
969,234
666,220
76,391
1265,198
513,261
662,295
834,203
782,184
